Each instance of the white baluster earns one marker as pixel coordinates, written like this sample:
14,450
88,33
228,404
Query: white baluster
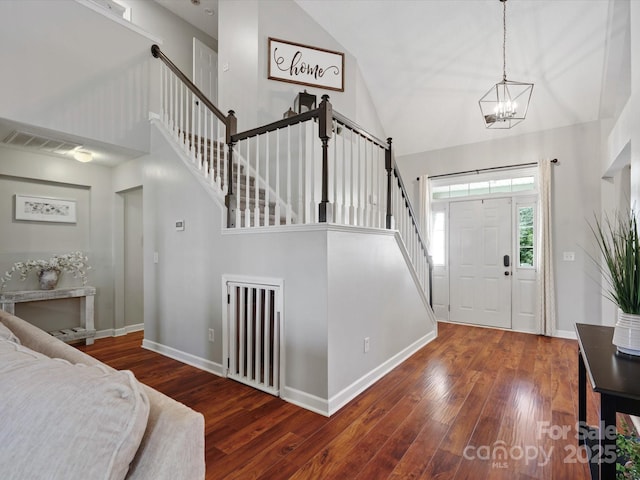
256,207
356,180
301,166
238,192
367,183
247,211
344,214
288,212
163,111
213,151
267,170
219,155
334,169
277,160
351,214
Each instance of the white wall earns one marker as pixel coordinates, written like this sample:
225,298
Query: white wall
370,295
244,29
85,75
576,202
23,172
635,103
175,33
621,158
74,71
324,290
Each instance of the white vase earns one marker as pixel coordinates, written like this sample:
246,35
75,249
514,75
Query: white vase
626,334
48,279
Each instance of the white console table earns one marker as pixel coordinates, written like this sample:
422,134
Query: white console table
87,329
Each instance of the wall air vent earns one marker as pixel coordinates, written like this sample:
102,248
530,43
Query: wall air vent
39,142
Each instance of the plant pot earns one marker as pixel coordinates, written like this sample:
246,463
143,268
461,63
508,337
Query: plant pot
626,334
48,279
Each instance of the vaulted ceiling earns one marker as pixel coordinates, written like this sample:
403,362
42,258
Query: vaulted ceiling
428,62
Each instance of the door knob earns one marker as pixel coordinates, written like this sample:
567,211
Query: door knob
506,274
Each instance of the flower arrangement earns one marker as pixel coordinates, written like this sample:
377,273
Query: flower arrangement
74,262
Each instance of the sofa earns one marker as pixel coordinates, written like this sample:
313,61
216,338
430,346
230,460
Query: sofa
65,415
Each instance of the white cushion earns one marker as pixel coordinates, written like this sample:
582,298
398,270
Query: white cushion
65,421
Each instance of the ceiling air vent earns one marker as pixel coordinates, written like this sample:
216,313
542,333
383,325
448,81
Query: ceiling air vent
38,142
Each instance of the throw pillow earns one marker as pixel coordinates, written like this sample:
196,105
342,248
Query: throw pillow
65,421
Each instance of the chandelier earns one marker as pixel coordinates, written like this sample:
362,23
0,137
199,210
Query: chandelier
506,103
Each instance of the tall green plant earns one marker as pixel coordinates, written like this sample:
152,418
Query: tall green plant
620,247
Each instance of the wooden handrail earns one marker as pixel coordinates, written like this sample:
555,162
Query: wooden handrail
157,53
358,129
270,127
412,214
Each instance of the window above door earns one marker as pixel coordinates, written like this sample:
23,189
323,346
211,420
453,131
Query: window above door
515,181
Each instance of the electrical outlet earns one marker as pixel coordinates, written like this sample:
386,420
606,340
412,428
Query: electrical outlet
366,345
155,257
212,335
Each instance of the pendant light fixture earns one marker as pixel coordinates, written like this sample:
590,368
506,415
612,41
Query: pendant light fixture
506,103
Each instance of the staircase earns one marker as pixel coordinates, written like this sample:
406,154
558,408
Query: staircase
315,167
334,225
208,158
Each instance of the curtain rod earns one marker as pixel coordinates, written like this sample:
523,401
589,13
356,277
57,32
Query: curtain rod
555,160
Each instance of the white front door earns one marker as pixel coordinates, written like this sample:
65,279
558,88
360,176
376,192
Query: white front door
205,70
480,255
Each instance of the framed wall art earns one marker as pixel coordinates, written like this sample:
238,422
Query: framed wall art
296,63
45,209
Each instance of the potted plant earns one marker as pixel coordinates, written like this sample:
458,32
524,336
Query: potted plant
619,244
48,271
628,452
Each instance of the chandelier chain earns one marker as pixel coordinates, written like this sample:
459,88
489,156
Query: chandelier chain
504,39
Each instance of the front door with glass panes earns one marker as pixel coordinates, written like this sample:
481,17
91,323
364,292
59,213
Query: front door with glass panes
483,237
480,262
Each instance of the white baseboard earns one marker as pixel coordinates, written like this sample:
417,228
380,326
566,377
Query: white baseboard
194,361
331,406
134,328
109,332
569,334
346,395
305,400
118,332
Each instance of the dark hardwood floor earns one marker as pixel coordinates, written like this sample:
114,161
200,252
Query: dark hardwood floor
475,403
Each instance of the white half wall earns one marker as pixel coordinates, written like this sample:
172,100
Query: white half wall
336,290
372,296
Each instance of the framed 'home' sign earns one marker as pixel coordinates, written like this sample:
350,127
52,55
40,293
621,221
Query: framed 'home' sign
312,66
